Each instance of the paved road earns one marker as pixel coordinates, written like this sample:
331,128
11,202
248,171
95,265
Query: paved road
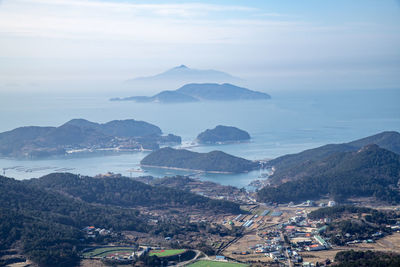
198,253
290,263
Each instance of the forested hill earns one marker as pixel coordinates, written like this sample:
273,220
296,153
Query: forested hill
45,225
120,128
352,258
126,192
42,218
369,172
387,140
215,161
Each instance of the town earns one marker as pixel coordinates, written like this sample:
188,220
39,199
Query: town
271,235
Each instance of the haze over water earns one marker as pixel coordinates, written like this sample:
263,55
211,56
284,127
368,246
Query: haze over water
331,67
288,123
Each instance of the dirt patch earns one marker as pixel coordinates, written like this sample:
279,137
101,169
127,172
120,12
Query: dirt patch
92,263
386,244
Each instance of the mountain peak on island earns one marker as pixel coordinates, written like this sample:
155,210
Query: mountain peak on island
178,70
181,67
180,75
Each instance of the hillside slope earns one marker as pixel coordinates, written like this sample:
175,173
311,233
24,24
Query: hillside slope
369,172
126,192
45,226
283,165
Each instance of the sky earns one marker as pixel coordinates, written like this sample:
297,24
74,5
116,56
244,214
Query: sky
80,45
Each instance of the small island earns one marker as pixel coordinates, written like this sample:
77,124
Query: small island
222,134
195,92
82,136
215,161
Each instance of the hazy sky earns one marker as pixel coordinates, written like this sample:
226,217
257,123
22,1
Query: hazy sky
273,44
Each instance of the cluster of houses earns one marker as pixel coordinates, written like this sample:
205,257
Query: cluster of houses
93,232
300,232
122,258
273,246
310,203
304,234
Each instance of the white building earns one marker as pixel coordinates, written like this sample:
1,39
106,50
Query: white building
331,203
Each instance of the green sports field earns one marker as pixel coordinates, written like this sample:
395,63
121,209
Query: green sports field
166,252
216,264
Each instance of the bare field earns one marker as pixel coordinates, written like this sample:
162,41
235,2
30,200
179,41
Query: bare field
243,245
321,255
386,244
21,264
91,263
252,257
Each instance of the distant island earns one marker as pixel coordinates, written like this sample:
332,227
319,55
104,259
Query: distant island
215,161
79,135
180,75
222,134
194,92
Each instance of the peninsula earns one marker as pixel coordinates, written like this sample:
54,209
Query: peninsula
79,135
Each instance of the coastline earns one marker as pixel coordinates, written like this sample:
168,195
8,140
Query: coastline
81,153
184,169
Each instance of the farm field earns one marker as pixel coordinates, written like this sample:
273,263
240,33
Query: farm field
215,264
166,252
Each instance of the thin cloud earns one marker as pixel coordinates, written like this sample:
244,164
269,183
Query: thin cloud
184,9
270,15
153,35
165,23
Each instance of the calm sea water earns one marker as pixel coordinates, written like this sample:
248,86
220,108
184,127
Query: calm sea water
288,123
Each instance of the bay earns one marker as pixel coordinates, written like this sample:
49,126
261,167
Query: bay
288,123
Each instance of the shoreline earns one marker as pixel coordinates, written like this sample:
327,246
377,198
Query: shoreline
77,154
184,169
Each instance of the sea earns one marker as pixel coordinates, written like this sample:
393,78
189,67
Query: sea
290,122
